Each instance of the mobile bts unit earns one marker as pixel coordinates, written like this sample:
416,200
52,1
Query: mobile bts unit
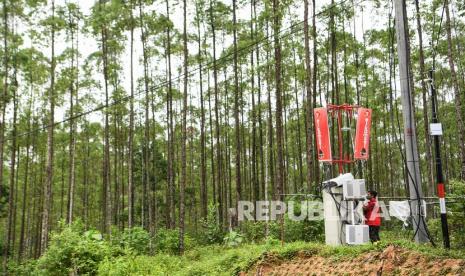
344,223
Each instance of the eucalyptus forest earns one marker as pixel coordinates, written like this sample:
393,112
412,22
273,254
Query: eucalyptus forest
131,129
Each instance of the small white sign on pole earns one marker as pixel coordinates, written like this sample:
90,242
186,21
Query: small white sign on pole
435,129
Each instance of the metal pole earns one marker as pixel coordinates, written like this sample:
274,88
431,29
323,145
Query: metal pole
439,174
339,137
411,147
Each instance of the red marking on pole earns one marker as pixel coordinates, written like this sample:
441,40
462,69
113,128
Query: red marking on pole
441,191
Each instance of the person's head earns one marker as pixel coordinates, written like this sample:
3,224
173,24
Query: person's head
372,194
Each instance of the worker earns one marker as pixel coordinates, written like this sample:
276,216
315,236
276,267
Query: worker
372,216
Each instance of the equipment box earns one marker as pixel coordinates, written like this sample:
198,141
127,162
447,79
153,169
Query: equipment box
357,234
354,189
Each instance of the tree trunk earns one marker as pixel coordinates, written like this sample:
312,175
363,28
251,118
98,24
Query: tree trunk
184,136
72,140
460,115
11,193
279,107
107,217
212,151
297,150
85,202
259,115
171,188
3,108
5,88
272,175
203,169
236,109
314,79
429,160
146,182
131,129
50,148
255,167
219,174
22,238
308,105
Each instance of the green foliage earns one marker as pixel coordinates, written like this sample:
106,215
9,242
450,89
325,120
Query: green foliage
293,230
304,230
167,241
4,201
219,260
233,239
160,264
253,231
26,268
208,260
75,251
211,229
272,241
455,215
136,239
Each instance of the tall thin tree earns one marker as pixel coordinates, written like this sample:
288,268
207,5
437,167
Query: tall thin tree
421,53
203,169
10,237
50,145
308,104
219,173
5,88
171,188
131,124
72,140
458,94
279,107
106,147
236,109
184,134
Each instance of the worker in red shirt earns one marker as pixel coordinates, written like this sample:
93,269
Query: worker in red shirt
372,216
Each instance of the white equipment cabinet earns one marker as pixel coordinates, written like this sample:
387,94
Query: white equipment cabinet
357,234
339,197
354,189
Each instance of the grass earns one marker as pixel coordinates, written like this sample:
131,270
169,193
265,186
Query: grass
220,260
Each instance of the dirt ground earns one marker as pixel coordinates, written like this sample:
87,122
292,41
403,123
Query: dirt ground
392,261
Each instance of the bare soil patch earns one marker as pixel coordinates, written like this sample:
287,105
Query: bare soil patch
393,260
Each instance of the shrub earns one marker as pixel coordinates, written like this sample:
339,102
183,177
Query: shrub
455,214
253,230
304,230
211,229
167,241
159,264
233,239
25,268
136,239
74,251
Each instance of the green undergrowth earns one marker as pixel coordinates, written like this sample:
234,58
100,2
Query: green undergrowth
73,250
220,260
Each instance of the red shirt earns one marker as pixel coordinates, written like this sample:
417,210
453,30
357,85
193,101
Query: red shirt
371,211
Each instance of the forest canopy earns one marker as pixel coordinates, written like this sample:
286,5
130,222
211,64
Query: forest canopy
160,116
